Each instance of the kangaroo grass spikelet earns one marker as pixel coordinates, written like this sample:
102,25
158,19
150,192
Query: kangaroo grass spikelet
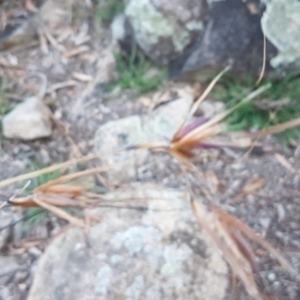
61,193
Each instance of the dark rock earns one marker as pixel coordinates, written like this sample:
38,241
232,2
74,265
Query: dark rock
232,36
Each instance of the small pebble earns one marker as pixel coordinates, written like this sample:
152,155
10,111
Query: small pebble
78,246
265,222
21,276
280,212
271,277
22,287
277,285
35,252
58,114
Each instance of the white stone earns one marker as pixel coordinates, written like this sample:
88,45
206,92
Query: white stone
29,120
163,28
272,277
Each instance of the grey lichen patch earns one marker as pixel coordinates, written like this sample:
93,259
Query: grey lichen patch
174,259
153,292
135,290
116,259
104,276
151,25
281,25
134,238
181,40
194,25
147,21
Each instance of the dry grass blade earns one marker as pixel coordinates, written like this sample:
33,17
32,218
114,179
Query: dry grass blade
61,85
69,177
275,129
65,189
52,168
22,201
198,102
43,171
52,199
247,231
58,193
76,51
252,186
233,248
284,162
30,6
60,213
206,92
263,69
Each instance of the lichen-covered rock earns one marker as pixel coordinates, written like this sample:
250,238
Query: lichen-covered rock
157,253
164,28
158,126
281,25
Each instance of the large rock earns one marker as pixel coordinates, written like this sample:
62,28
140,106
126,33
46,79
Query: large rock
164,28
158,126
281,25
29,120
156,253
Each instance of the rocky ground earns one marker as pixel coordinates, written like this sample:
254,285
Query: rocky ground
261,188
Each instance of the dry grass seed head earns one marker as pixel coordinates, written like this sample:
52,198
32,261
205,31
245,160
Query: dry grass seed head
225,240
193,136
228,233
59,193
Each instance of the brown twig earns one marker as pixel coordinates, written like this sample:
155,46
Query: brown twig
262,72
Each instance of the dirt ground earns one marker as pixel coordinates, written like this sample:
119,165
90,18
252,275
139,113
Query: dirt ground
271,209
